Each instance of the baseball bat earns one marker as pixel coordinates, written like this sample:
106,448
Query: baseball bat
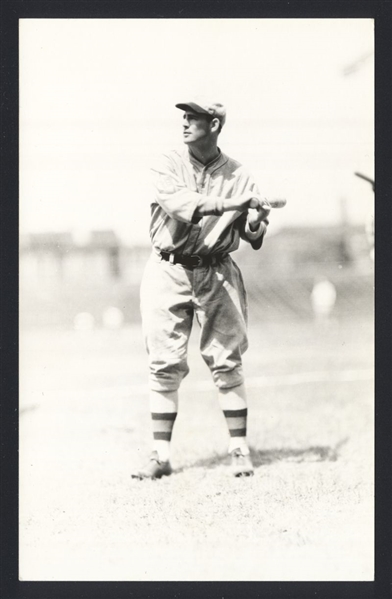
274,203
277,202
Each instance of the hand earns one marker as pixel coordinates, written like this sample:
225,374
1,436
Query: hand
245,201
258,215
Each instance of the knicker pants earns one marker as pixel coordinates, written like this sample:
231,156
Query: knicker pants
171,295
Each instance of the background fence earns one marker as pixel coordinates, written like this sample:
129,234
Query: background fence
59,279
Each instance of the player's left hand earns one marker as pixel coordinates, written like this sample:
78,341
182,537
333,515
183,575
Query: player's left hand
257,215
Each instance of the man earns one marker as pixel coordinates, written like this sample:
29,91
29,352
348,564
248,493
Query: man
204,203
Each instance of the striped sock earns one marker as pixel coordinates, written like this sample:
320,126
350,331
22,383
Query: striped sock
233,404
163,407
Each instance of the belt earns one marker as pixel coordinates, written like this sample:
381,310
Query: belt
192,261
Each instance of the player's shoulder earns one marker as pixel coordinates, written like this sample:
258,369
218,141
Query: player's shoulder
234,165
164,160
174,153
168,157
231,162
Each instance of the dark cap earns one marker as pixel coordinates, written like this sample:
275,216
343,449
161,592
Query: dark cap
212,109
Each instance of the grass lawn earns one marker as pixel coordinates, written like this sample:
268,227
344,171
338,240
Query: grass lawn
307,514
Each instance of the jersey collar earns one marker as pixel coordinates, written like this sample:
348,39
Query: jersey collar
214,164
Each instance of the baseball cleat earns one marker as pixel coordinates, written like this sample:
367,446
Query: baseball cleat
154,469
241,465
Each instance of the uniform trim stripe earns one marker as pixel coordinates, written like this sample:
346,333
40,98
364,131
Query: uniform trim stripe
164,416
237,432
236,413
159,436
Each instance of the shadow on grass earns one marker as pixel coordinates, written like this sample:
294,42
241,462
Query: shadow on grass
317,453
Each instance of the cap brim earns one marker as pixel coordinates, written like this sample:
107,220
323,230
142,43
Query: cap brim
192,107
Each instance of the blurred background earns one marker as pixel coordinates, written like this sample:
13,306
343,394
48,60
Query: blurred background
97,104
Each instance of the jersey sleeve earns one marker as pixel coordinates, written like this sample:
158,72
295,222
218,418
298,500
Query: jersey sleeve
176,199
255,238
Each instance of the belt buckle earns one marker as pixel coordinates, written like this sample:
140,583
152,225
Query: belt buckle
199,259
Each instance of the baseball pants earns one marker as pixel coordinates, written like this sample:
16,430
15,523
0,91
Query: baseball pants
170,296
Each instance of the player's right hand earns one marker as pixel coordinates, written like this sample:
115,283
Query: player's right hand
246,201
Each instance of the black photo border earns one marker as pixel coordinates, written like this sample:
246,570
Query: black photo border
11,12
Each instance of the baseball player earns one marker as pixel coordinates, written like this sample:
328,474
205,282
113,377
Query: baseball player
204,203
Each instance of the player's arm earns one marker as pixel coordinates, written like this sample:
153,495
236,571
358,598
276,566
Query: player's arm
253,224
184,204
171,193
252,229
240,203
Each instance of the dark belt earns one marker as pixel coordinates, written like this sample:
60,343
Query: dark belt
192,261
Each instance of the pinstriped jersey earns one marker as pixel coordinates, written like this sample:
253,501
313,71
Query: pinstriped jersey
182,184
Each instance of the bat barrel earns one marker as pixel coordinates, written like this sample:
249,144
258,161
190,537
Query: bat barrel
277,202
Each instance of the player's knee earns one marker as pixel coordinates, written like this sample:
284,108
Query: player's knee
227,379
167,376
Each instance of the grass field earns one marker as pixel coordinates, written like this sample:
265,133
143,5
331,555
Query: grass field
307,514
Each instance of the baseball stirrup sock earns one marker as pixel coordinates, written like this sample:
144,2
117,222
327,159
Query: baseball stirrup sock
163,408
162,426
236,423
233,404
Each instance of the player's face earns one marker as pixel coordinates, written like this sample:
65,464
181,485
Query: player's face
196,128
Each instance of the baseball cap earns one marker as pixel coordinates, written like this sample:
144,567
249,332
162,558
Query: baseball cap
213,109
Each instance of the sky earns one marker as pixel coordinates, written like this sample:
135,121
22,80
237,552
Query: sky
97,104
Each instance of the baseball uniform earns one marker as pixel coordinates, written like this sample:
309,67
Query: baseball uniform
209,285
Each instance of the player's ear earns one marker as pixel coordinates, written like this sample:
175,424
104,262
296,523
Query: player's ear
215,125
